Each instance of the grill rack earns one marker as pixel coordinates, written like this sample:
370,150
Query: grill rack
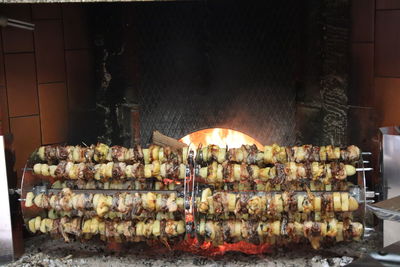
189,190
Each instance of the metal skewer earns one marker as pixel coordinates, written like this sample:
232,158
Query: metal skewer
4,22
364,169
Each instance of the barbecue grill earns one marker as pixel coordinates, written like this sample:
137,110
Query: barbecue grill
208,196
198,129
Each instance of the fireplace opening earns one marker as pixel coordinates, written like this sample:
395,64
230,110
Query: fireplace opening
219,136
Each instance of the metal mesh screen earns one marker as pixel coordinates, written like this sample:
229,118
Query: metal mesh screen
205,65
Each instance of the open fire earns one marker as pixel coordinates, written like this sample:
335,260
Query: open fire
233,139
219,136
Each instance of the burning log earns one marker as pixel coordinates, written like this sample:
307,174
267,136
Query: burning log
163,140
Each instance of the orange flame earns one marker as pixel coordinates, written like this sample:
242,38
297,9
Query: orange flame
221,137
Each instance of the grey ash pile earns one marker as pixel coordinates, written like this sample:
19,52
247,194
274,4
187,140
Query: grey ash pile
43,251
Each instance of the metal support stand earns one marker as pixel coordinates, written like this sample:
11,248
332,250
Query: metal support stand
6,237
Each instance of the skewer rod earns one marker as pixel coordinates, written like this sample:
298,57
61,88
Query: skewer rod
364,169
19,26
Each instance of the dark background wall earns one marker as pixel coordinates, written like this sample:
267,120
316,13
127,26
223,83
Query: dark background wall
46,78
277,71
218,64
194,65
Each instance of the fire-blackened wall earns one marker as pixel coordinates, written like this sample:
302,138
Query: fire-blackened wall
276,71
195,65
219,65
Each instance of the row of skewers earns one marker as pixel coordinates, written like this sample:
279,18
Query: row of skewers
258,205
284,232
115,230
214,173
127,204
217,232
248,154
241,205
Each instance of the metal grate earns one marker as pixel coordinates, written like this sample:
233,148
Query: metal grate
216,64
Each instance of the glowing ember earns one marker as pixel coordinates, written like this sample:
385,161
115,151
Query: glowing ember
192,245
221,137
207,249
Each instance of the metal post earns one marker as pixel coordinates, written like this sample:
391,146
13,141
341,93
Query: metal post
6,238
391,181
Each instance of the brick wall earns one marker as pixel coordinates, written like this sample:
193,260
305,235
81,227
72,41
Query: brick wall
46,76
376,58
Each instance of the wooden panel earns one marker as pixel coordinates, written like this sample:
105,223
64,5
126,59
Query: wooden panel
46,11
17,40
26,132
49,51
387,52
2,77
53,100
387,4
362,75
17,11
4,125
76,34
80,77
21,84
362,13
388,95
